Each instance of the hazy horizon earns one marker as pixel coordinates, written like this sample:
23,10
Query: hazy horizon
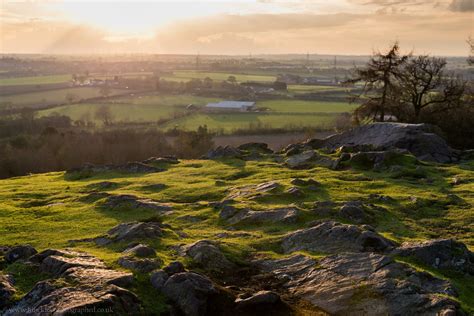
266,27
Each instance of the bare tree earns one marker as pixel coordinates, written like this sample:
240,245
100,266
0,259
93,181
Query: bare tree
470,59
379,79
104,114
424,84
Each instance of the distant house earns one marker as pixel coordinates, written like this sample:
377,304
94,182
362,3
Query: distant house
241,106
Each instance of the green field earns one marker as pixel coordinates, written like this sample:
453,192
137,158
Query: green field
35,99
132,109
300,106
35,80
295,88
228,123
218,76
48,210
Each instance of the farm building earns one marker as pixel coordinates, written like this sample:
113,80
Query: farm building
241,106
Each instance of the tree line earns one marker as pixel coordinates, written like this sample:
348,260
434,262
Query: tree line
415,89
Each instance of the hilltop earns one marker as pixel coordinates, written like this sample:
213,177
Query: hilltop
378,220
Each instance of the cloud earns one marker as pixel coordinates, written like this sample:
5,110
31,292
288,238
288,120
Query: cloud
462,6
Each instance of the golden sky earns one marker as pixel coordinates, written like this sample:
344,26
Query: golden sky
351,27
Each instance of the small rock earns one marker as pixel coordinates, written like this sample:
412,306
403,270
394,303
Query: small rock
131,231
294,191
258,300
133,202
207,255
353,211
141,250
174,267
301,161
21,252
143,265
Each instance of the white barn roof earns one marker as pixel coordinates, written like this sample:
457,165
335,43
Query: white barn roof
231,104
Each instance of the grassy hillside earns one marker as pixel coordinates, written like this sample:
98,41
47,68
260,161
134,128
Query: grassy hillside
48,210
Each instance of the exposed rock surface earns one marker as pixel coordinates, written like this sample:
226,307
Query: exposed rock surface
246,216
440,253
190,292
301,160
362,284
162,160
95,286
333,237
143,265
6,290
420,139
256,147
133,202
207,255
159,277
131,231
21,252
251,191
375,159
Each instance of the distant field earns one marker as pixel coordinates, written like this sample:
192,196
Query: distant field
291,106
230,122
133,109
312,88
219,76
34,80
38,99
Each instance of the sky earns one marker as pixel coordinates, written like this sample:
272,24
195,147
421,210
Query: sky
235,27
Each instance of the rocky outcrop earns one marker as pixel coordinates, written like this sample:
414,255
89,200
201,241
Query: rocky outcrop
142,265
235,216
126,201
419,139
333,237
252,191
161,160
131,231
256,147
302,160
190,292
362,284
440,254
91,285
21,252
262,300
6,290
207,255
224,152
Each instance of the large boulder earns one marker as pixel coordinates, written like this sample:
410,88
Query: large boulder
362,284
207,255
302,160
89,285
440,253
256,147
419,139
190,292
333,237
224,152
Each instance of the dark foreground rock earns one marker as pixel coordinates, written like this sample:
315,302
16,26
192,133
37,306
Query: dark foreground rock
190,292
6,290
441,254
363,284
333,237
89,285
142,265
419,139
261,300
